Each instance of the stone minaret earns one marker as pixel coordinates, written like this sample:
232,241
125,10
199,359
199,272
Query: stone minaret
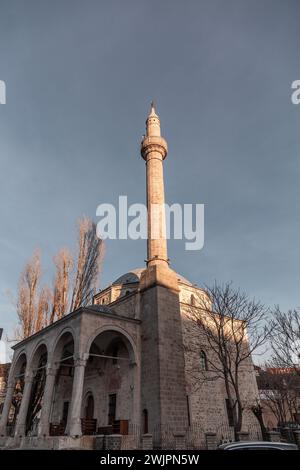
154,150
163,392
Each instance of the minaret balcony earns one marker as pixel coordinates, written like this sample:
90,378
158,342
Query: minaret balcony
154,144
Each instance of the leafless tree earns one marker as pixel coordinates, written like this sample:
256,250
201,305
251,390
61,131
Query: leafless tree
230,327
32,302
61,289
38,306
43,307
257,410
285,338
89,258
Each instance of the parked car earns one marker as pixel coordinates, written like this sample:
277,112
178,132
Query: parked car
258,445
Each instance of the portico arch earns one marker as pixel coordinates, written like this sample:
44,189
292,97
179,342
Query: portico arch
111,371
37,369
16,382
116,330
65,336
63,369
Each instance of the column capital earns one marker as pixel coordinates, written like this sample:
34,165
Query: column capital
80,359
29,376
52,369
11,384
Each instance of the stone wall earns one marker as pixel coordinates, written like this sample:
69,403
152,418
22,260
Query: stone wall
206,393
163,377
128,305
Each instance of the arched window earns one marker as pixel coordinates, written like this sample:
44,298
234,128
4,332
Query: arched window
203,361
193,300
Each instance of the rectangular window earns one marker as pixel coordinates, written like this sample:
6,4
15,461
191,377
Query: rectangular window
65,412
112,404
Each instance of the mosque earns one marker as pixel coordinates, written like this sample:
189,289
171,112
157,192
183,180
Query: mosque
119,367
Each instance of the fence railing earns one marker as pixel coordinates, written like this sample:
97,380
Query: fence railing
164,437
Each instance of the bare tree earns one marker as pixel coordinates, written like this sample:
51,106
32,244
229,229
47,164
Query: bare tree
285,338
257,410
43,308
280,392
37,307
89,258
222,324
61,289
32,302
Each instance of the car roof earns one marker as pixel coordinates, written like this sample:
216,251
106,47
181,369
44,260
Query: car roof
275,445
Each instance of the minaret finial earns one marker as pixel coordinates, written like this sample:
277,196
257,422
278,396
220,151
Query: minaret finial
152,109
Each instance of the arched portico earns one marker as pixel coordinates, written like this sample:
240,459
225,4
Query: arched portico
34,384
14,395
72,385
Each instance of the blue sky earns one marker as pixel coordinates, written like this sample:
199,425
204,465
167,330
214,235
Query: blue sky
80,77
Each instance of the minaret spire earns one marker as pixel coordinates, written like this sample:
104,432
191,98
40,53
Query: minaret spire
154,150
152,108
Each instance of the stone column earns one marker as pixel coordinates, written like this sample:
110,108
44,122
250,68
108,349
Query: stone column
47,401
74,419
6,407
21,419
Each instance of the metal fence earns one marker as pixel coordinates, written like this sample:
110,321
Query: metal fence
194,436
254,431
132,440
163,438
225,433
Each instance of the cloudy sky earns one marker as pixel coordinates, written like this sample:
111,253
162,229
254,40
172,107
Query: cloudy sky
80,77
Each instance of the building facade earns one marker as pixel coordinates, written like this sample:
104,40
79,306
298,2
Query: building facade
121,364
279,391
